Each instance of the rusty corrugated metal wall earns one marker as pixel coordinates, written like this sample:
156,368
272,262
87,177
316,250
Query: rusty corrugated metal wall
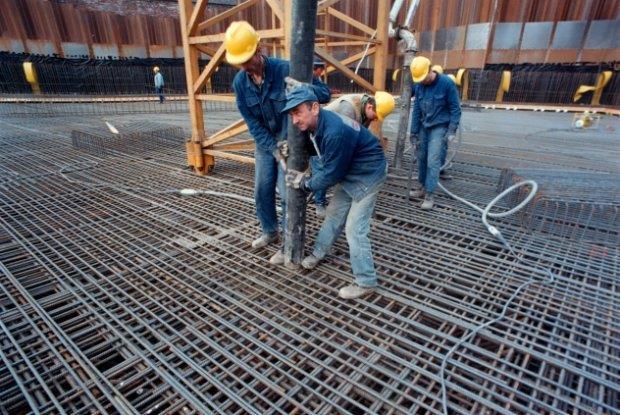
454,33
473,33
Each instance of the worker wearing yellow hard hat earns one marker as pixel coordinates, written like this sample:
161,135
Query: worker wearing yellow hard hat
364,108
260,94
435,119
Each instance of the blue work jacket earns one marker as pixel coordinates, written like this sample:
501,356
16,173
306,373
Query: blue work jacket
348,154
436,104
260,107
159,80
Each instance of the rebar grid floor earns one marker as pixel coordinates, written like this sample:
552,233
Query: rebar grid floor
123,298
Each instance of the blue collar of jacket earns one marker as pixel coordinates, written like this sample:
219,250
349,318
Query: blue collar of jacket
267,77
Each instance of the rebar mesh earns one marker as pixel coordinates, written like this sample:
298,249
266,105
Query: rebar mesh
114,300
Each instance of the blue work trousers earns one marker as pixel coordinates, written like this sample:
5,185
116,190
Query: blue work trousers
354,217
267,175
160,92
432,148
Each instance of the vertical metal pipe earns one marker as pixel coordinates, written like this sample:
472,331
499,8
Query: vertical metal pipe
408,45
403,121
303,29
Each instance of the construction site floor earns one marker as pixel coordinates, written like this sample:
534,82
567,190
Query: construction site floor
118,295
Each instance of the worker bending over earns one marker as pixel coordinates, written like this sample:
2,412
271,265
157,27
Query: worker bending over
436,116
362,108
259,90
351,160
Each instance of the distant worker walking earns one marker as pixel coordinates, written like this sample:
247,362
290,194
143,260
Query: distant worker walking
159,84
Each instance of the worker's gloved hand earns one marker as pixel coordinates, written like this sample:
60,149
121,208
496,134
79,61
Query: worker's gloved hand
296,179
292,84
450,136
283,147
281,151
413,139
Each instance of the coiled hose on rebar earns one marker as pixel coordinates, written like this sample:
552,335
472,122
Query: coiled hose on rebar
485,214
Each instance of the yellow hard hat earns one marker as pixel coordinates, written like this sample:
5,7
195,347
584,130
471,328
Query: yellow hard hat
384,104
419,68
452,77
156,69
240,42
437,68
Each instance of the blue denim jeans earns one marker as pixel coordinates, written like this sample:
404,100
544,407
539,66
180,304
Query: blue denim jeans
268,174
432,149
354,217
320,196
160,91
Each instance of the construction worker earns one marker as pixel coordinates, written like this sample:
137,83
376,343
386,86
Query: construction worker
318,69
362,108
351,160
259,89
436,116
159,84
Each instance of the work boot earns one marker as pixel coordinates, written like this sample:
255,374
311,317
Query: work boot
320,211
417,193
429,200
354,291
277,258
264,240
444,175
310,262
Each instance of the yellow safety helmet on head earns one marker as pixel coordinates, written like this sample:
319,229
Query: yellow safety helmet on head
156,69
437,68
240,41
384,104
419,68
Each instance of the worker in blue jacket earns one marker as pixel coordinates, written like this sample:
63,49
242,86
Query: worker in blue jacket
352,160
259,90
159,84
436,116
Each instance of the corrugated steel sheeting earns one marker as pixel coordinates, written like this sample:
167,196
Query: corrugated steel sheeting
454,33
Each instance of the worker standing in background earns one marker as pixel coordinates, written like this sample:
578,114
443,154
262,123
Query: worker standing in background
318,69
259,90
351,160
159,84
436,116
